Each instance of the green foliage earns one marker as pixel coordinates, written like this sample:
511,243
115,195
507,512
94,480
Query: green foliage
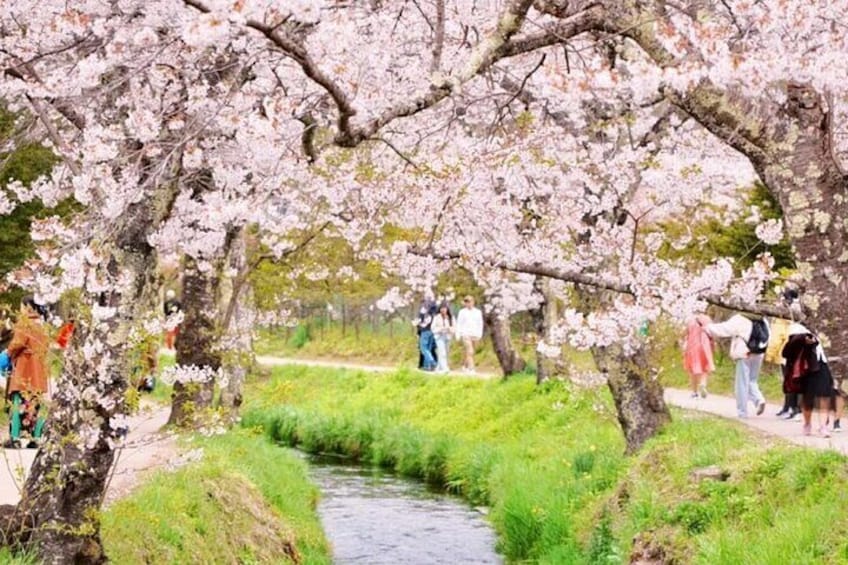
300,337
7,557
553,472
241,504
602,546
25,163
716,237
276,282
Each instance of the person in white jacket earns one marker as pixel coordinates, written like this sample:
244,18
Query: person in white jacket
443,330
738,329
469,330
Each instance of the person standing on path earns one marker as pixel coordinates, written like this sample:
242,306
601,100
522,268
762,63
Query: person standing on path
443,330
28,383
469,330
738,328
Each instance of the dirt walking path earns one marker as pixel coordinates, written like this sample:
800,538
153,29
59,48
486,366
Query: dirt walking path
146,448
717,405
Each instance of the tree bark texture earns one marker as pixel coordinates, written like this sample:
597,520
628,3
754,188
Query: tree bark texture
501,332
636,391
793,155
236,327
790,145
63,493
544,319
198,342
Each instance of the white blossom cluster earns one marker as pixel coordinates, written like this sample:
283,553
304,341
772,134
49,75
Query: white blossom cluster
186,374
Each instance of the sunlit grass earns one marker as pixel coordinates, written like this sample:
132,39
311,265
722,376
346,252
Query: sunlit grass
241,504
549,462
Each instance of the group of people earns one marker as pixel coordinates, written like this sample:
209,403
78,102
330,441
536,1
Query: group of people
436,327
808,384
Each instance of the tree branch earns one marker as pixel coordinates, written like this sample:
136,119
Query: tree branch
595,281
297,52
439,39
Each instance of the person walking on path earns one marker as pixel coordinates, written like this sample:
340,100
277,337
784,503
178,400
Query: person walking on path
469,330
426,341
738,328
443,329
28,382
698,357
806,366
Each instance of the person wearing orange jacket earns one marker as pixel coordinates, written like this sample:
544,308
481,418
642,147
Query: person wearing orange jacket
28,382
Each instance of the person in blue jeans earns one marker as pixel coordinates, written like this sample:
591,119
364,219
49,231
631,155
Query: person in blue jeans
748,364
426,341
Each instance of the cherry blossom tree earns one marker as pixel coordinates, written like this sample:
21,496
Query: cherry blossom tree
553,135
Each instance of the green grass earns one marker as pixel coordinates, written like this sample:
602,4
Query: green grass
549,462
242,503
400,349
7,557
396,349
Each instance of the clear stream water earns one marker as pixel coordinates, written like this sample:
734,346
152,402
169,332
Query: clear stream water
375,518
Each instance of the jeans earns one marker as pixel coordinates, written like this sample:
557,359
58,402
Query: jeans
442,346
425,345
747,373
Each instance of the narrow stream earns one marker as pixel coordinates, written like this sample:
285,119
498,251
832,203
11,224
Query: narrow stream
374,518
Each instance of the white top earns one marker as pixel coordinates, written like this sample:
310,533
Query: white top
737,327
469,323
442,326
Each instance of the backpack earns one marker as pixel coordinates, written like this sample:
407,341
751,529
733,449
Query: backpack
758,341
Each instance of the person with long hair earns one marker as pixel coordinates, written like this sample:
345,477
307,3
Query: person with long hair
443,329
807,368
698,357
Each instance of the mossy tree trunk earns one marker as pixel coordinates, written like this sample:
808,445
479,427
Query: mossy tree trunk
236,323
544,319
198,341
501,331
62,496
636,392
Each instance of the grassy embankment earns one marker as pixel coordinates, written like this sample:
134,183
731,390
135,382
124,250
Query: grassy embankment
399,349
246,501
548,461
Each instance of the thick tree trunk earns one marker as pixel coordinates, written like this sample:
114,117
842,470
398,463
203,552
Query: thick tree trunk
544,319
198,341
790,144
636,391
63,493
793,154
501,332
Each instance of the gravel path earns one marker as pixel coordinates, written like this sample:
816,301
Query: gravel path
146,449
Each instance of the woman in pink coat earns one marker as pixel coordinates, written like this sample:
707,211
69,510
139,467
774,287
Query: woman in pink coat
698,357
